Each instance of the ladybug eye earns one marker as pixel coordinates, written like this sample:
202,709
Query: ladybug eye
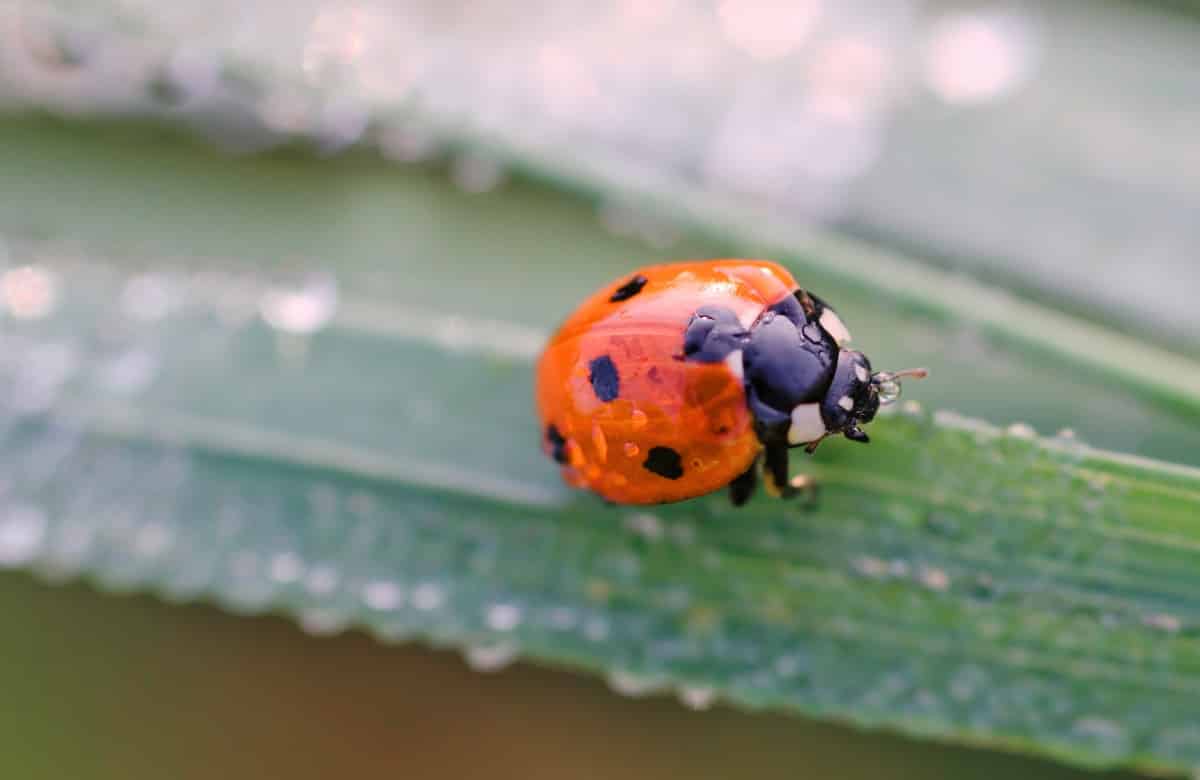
888,383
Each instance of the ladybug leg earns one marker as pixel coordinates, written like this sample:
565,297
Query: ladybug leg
811,447
744,485
780,485
769,423
556,445
775,471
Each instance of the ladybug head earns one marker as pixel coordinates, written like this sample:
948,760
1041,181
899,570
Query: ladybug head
855,394
802,385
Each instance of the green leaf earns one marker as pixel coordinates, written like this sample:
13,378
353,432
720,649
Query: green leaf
953,580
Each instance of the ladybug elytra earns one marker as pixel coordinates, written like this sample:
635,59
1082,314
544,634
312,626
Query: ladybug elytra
684,378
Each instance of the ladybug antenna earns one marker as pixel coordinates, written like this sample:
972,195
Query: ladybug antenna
888,383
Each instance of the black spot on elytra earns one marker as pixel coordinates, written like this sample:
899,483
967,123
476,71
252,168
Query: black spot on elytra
606,384
558,445
629,289
654,375
665,462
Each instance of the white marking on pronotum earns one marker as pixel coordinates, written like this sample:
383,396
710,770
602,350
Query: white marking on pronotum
807,424
734,361
847,403
834,327
860,371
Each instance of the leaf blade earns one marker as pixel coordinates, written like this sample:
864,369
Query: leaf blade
957,581
848,614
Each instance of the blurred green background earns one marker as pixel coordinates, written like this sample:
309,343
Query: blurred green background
376,165
114,687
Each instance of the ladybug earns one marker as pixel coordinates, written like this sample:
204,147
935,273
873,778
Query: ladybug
685,378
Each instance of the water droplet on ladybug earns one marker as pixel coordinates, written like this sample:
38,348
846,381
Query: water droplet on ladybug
888,383
889,392
600,443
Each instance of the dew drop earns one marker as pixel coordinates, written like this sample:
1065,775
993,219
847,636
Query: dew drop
383,595
491,657
634,685
428,596
595,629
323,622
1163,622
631,449
286,568
645,525
503,617
128,373
301,309
152,540
29,292
1100,729
935,579
975,57
322,580
696,697
22,530
147,298
871,566
638,420
1022,431
787,666
889,392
